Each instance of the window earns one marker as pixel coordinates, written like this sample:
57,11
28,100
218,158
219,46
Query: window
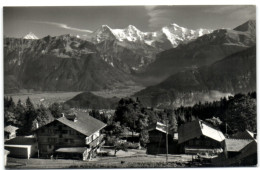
191,142
64,131
42,130
50,146
51,140
197,142
66,140
71,140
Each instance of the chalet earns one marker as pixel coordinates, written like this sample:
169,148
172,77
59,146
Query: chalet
74,135
10,132
22,147
199,137
157,140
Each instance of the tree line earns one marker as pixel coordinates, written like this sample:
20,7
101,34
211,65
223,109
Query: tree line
26,116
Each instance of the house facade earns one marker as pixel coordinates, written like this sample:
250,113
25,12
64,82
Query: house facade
199,137
69,135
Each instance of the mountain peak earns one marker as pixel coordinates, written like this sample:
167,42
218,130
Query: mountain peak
132,27
247,26
174,24
105,27
30,36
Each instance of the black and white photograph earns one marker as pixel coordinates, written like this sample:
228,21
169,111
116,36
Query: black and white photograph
129,86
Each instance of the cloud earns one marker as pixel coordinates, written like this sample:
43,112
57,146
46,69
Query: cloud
158,16
234,11
61,25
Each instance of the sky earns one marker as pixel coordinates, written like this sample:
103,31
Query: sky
43,21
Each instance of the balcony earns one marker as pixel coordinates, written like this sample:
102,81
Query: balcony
96,142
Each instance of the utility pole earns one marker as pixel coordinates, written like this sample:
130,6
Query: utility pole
166,140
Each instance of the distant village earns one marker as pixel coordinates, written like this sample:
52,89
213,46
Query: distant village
79,136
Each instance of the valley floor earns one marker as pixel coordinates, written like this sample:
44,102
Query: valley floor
47,98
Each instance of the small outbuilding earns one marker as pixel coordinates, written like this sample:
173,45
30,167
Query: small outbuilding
157,140
238,152
22,147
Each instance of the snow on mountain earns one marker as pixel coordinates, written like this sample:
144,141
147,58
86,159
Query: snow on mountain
31,36
177,34
173,33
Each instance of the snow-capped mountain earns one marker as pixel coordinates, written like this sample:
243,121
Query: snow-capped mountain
173,33
31,36
177,34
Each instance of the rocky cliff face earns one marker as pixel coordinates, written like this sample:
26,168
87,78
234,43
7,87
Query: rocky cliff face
63,63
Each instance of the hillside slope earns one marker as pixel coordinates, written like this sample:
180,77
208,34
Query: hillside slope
233,74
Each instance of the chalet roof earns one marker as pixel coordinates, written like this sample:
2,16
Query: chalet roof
21,140
235,145
244,135
72,150
198,128
85,124
158,126
10,128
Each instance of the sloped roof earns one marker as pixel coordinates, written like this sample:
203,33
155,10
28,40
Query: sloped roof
235,145
244,135
10,128
85,124
21,140
72,150
197,128
158,126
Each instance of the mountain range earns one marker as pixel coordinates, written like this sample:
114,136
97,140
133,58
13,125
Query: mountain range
62,63
204,50
180,66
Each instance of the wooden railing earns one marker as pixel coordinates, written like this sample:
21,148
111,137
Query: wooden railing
96,142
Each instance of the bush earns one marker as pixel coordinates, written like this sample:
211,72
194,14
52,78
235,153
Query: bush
133,145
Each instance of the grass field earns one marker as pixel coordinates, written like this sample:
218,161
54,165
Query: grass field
47,98
134,159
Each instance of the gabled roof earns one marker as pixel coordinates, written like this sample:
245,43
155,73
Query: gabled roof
158,126
198,128
85,124
235,145
10,128
244,135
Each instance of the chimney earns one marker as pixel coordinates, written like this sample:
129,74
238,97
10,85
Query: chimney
62,115
75,119
37,125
